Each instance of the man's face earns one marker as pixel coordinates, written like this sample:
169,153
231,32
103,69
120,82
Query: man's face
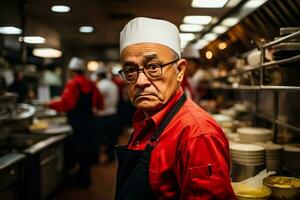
144,93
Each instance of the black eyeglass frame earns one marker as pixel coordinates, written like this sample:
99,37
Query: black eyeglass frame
121,72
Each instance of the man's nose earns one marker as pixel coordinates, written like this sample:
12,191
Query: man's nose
142,79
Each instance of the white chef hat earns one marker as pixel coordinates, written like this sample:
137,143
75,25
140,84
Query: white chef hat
76,64
191,52
147,30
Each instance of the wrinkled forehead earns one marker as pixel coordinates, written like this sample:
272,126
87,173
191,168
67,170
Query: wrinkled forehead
146,51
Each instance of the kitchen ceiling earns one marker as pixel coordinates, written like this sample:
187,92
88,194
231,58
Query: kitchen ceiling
61,30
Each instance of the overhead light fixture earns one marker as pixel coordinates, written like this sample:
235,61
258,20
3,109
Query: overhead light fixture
33,39
230,21
208,3
60,8
222,45
197,19
86,29
253,4
10,30
201,43
208,55
186,36
219,29
47,53
92,66
210,36
183,44
191,27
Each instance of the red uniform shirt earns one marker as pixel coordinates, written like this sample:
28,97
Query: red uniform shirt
71,93
191,159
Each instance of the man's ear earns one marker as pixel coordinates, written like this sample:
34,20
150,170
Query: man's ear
181,66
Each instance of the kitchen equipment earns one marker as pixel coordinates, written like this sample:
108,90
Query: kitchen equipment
254,134
246,160
273,156
291,157
287,188
245,193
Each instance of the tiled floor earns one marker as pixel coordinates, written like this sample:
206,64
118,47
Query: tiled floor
103,185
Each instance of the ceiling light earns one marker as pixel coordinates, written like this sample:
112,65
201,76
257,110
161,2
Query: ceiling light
197,19
201,43
219,29
10,30
92,66
210,36
230,21
47,52
253,4
186,36
183,44
33,39
222,45
191,27
60,8
86,29
208,3
209,55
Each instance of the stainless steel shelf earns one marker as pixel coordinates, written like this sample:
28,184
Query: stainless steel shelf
285,38
282,61
257,87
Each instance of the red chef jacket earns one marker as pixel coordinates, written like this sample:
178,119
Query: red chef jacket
71,93
191,159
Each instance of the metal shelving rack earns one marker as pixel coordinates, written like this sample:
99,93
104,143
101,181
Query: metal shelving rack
261,86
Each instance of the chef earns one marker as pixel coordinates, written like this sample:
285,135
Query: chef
79,98
176,151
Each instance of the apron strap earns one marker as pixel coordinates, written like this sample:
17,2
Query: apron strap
154,138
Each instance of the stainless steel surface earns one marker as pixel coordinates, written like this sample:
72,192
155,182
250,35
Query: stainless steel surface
10,159
286,38
242,172
282,61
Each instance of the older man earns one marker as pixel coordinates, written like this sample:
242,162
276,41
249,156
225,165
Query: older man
177,151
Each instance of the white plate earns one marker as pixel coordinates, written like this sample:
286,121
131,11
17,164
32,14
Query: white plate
246,147
222,118
254,131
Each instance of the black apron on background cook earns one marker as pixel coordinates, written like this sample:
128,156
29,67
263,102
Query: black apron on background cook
133,165
79,149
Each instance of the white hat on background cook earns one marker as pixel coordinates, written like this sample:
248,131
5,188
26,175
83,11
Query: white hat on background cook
76,64
147,30
191,52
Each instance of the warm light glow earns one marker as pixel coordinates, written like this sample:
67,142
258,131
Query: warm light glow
92,66
208,55
10,30
191,28
230,21
208,3
197,19
86,29
186,36
60,8
47,52
220,29
210,36
222,45
33,39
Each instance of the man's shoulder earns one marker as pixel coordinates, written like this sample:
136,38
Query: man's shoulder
195,121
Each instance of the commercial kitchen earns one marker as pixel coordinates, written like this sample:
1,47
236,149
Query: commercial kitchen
245,56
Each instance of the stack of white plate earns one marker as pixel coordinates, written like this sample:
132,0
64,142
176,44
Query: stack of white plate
247,154
273,156
225,121
254,134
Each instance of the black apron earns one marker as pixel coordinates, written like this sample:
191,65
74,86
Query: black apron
133,165
79,148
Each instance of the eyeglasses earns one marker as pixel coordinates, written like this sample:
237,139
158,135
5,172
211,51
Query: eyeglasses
152,71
